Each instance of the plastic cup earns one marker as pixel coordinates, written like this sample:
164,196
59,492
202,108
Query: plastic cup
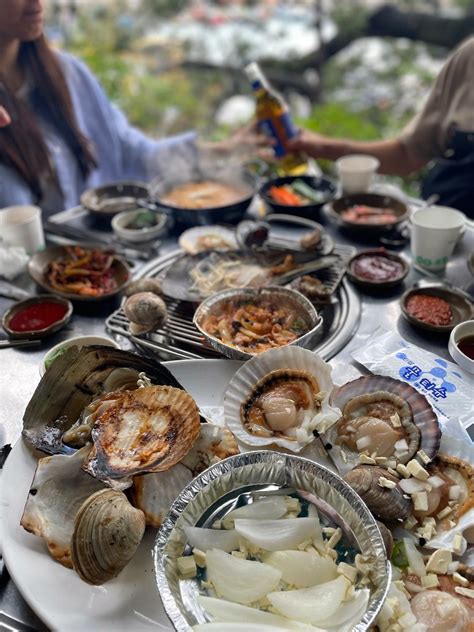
356,172
435,230
22,226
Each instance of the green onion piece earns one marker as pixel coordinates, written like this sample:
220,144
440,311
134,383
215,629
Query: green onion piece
399,556
308,192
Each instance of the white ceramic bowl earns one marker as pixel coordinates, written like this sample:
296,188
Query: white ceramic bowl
120,221
461,331
80,341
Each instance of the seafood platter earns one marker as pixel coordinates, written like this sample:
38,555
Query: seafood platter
222,295
271,500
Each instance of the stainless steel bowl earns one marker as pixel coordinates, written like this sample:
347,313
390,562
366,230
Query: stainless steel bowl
281,296
214,493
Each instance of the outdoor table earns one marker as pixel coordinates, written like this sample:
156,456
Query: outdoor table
19,374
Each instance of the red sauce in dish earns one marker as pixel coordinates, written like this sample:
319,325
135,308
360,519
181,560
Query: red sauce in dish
466,346
430,309
37,316
376,268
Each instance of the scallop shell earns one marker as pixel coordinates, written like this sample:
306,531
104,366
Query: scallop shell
213,444
423,417
244,382
58,489
146,430
386,504
107,533
146,312
189,240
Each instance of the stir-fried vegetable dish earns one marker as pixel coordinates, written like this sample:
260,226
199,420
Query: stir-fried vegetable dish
298,193
82,271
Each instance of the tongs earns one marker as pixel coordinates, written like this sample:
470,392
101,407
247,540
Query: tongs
306,268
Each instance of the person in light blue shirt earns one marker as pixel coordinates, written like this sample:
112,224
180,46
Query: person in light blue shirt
59,133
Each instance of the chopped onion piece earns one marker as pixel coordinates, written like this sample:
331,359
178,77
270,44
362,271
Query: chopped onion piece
240,580
229,612
454,492
414,557
350,612
205,539
277,535
301,568
244,627
435,481
412,485
401,445
269,508
310,605
363,443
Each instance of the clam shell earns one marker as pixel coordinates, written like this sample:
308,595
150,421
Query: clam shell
72,382
143,285
252,372
58,490
146,312
423,416
386,504
146,430
189,240
107,532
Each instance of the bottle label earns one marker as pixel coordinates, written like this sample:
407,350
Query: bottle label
279,129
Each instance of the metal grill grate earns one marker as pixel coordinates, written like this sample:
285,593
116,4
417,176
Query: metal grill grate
179,339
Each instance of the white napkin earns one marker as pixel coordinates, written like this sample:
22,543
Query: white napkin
13,260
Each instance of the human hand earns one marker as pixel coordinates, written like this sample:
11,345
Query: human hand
4,117
309,143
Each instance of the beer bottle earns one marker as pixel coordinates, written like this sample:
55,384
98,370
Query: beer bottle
274,120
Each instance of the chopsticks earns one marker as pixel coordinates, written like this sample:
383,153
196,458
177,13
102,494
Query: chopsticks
5,344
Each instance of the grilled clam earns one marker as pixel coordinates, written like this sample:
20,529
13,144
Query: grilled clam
58,489
146,312
387,503
384,419
146,430
285,402
154,493
147,284
78,377
107,533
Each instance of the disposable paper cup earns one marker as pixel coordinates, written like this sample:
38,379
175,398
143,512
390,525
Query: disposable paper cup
356,172
22,226
435,230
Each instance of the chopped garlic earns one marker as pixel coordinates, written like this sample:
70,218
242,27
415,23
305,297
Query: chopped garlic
334,539
199,558
381,459
292,504
400,584
347,570
420,500
366,460
403,470
417,470
452,524
459,544
395,419
217,524
444,513
329,531
239,554
430,581
465,592
386,482
410,522
392,471
392,463
459,579
186,567
362,564
421,454
438,562
331,553
401,445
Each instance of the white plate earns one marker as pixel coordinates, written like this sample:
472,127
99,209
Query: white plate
129,602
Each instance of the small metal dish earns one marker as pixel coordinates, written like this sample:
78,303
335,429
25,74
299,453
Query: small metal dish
215,492
310,211
341,204
373,283
39,333
110,199
38,267
280,296
461,307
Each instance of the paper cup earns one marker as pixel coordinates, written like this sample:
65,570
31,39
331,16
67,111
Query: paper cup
22,226
356,172
434,233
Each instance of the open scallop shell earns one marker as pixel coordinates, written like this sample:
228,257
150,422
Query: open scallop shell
423,417
251,375
58,489
219,238
146,430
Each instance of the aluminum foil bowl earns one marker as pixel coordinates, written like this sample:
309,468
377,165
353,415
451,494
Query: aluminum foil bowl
283,297
214,493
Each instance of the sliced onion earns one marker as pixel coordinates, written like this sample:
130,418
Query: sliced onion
313,513
310,605
414,557
412,485
244,627
270,508
301,568
277,535
229,612
205,539
435,481
240,580
350,612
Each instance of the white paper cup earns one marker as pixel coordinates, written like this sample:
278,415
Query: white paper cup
22,226
356,172
434,233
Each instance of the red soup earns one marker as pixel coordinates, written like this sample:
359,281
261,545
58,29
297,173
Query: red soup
37,316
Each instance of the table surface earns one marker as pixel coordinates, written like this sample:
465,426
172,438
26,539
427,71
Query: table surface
19,372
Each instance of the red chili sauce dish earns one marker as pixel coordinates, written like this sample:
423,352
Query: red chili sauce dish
37,316
432,310
466,346
377,268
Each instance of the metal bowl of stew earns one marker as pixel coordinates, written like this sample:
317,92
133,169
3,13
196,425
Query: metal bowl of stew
110,199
